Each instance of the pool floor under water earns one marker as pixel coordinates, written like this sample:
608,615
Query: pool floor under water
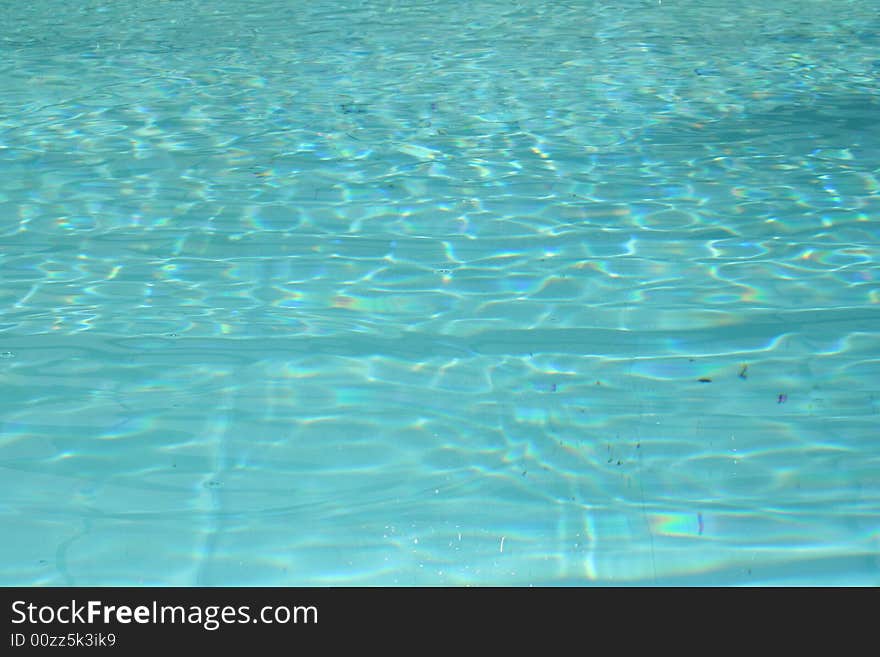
544,294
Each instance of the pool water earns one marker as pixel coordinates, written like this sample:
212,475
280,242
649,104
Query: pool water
439,293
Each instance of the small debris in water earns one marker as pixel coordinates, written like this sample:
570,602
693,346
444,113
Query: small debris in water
782,398
705,380
353,108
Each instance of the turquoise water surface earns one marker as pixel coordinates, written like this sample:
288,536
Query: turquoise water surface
439,293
